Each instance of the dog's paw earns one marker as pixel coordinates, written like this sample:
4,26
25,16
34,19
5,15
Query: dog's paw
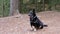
41,27
34,29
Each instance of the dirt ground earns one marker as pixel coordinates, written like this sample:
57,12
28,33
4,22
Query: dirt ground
19,24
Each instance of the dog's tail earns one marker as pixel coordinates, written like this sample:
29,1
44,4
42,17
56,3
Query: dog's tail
45,25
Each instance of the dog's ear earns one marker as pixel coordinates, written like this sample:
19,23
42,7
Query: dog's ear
34,12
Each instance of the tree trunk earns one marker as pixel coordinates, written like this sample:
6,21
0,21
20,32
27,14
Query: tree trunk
14,7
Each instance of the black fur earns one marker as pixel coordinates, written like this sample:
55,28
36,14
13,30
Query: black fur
34,21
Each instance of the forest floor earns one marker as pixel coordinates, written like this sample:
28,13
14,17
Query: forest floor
19,24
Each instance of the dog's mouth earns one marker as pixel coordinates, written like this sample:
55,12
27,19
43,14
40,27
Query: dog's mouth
30,15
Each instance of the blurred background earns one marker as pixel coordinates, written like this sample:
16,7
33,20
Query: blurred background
11,7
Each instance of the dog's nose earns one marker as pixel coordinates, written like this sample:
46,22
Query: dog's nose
28,15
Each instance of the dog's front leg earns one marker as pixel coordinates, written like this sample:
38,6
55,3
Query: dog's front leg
33,28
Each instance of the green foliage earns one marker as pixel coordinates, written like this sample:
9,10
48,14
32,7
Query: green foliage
29,5
4,7
1,8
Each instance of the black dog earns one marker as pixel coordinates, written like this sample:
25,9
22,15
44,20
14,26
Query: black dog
34,21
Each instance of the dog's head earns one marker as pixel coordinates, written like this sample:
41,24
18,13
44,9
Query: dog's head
32,13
